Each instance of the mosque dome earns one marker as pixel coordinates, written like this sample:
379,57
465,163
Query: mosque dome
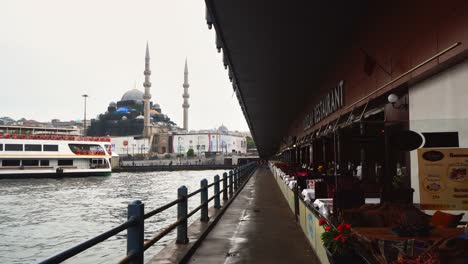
113,104
133,95
223,129
140,117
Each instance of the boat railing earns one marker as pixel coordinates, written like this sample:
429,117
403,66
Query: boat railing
136,245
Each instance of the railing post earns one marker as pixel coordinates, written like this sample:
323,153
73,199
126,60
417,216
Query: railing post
240,173
230,184
234,175
225,191
135,233
182,237
203,199
217,200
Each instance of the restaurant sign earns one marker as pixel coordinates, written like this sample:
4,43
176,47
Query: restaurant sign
331,102
443,179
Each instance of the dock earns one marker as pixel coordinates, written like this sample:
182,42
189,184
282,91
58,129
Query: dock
258,227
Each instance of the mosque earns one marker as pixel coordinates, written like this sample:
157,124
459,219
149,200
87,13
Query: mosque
135,116
139,126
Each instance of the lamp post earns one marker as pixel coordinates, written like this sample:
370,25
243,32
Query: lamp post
85,97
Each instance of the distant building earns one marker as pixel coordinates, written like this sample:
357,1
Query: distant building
220,141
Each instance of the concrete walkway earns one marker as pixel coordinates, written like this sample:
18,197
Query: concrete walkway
258,227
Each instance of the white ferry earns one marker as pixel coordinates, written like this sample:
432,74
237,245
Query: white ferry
35,156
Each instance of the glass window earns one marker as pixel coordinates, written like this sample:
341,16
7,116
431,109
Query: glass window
50,147
30,162
14,147
1,147
31,147
10,163
44,162
65,162
85,149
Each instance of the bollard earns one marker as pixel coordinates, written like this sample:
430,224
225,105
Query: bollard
217,202
203,199
230,184
135,233
182,237
225,190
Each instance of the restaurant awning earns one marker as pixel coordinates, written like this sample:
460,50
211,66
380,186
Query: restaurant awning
277,53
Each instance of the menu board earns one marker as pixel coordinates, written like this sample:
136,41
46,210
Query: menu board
443,179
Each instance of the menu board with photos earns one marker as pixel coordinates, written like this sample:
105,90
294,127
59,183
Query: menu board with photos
443,179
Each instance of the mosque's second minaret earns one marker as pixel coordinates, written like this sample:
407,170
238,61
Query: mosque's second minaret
147,96
186,96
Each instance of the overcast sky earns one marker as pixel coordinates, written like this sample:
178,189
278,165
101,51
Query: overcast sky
53,51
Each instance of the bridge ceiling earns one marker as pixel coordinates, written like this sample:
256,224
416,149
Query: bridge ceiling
278,52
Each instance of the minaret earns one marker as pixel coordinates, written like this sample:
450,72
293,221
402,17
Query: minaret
147,95
186,96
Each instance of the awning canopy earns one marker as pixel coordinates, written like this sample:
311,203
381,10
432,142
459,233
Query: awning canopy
277,53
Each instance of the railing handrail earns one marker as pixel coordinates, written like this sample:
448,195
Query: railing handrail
233,178
89,243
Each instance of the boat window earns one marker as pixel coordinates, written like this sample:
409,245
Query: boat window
50,147
86,149
33,147
11,163
65,162
1,147
14,147
44,162
30,162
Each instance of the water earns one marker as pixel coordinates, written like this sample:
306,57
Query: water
42,217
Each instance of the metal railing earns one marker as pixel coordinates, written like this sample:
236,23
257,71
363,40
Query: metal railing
136,216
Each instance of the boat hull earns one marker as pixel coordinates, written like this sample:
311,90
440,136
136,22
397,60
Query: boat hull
52,175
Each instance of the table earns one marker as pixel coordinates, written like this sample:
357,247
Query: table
308,194
385,246
372,200
292,184
325,206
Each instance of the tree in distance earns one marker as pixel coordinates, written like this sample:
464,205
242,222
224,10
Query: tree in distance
190,153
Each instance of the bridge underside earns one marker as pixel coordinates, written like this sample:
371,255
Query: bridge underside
278,51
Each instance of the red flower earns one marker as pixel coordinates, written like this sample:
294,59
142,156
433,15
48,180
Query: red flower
327,228
343,227
322,221
337,237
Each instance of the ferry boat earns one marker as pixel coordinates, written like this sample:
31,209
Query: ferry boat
36,156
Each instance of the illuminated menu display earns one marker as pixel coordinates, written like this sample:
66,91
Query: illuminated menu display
443,180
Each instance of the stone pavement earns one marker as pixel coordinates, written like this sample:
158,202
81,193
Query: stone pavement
258,227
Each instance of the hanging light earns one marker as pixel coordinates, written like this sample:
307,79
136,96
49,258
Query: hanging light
209,20
393,99
218,44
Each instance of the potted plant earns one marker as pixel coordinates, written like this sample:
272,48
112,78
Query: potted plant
337,243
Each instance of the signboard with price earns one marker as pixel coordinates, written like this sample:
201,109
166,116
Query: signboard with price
443,179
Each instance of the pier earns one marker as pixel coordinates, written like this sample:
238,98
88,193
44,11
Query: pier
258,227
246,220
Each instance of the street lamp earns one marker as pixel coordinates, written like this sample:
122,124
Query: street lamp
85,97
